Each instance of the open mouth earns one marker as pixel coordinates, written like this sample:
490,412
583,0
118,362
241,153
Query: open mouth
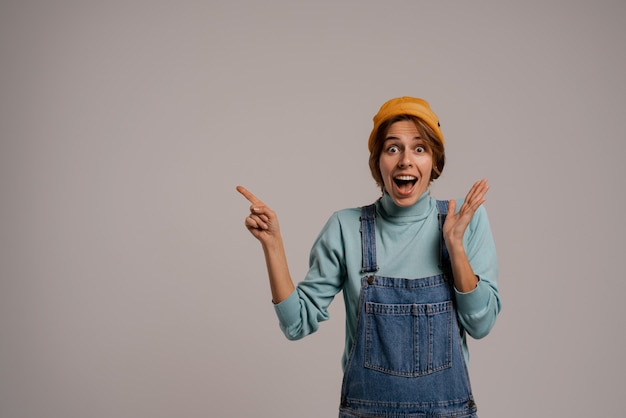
405,183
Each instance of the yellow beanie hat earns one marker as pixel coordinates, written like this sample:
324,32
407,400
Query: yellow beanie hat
405,106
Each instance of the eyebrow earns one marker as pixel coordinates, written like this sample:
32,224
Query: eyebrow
417,138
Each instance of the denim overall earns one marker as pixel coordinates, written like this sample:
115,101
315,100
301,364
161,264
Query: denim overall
406,360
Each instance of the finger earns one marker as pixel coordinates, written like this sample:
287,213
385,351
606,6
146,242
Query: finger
451,206
482,186
249,195
473,202
476,196
255,222
481,190
263,212
477,188
260,217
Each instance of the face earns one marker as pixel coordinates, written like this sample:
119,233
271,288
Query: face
406,162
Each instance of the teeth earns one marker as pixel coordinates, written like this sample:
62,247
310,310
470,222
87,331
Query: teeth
406,178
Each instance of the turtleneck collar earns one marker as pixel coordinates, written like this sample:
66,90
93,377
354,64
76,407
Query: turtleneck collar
420,210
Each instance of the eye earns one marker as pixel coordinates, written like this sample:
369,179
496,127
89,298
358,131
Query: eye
392,149
422,148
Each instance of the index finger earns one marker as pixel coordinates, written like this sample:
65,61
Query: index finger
249,195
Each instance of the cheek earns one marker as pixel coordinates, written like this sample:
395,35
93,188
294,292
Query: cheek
426,167
383,167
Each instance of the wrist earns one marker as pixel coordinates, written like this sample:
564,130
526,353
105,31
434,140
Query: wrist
272,244
455,248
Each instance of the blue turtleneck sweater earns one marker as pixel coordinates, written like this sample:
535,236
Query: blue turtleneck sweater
407,246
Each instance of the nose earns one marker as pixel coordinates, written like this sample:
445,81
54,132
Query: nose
405,161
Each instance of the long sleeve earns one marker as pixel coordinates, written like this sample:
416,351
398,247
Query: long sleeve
479,308
301,313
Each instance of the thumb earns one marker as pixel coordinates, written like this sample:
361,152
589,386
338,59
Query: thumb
451,207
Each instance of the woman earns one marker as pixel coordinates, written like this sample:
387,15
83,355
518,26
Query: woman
417,275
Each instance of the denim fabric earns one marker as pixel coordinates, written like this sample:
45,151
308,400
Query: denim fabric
368,238
407,359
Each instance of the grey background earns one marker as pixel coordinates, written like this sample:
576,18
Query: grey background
129,286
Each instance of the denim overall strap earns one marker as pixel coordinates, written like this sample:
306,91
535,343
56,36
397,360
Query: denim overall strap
444,257
368,238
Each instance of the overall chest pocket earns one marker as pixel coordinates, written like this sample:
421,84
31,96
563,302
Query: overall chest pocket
408,340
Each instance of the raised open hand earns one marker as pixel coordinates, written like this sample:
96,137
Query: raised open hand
456,223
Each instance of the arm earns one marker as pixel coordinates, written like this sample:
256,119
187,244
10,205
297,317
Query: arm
474,263
263,225
453,231
300,310
307,307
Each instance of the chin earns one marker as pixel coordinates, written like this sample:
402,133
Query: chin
405,201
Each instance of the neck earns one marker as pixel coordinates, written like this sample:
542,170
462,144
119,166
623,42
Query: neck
419,209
